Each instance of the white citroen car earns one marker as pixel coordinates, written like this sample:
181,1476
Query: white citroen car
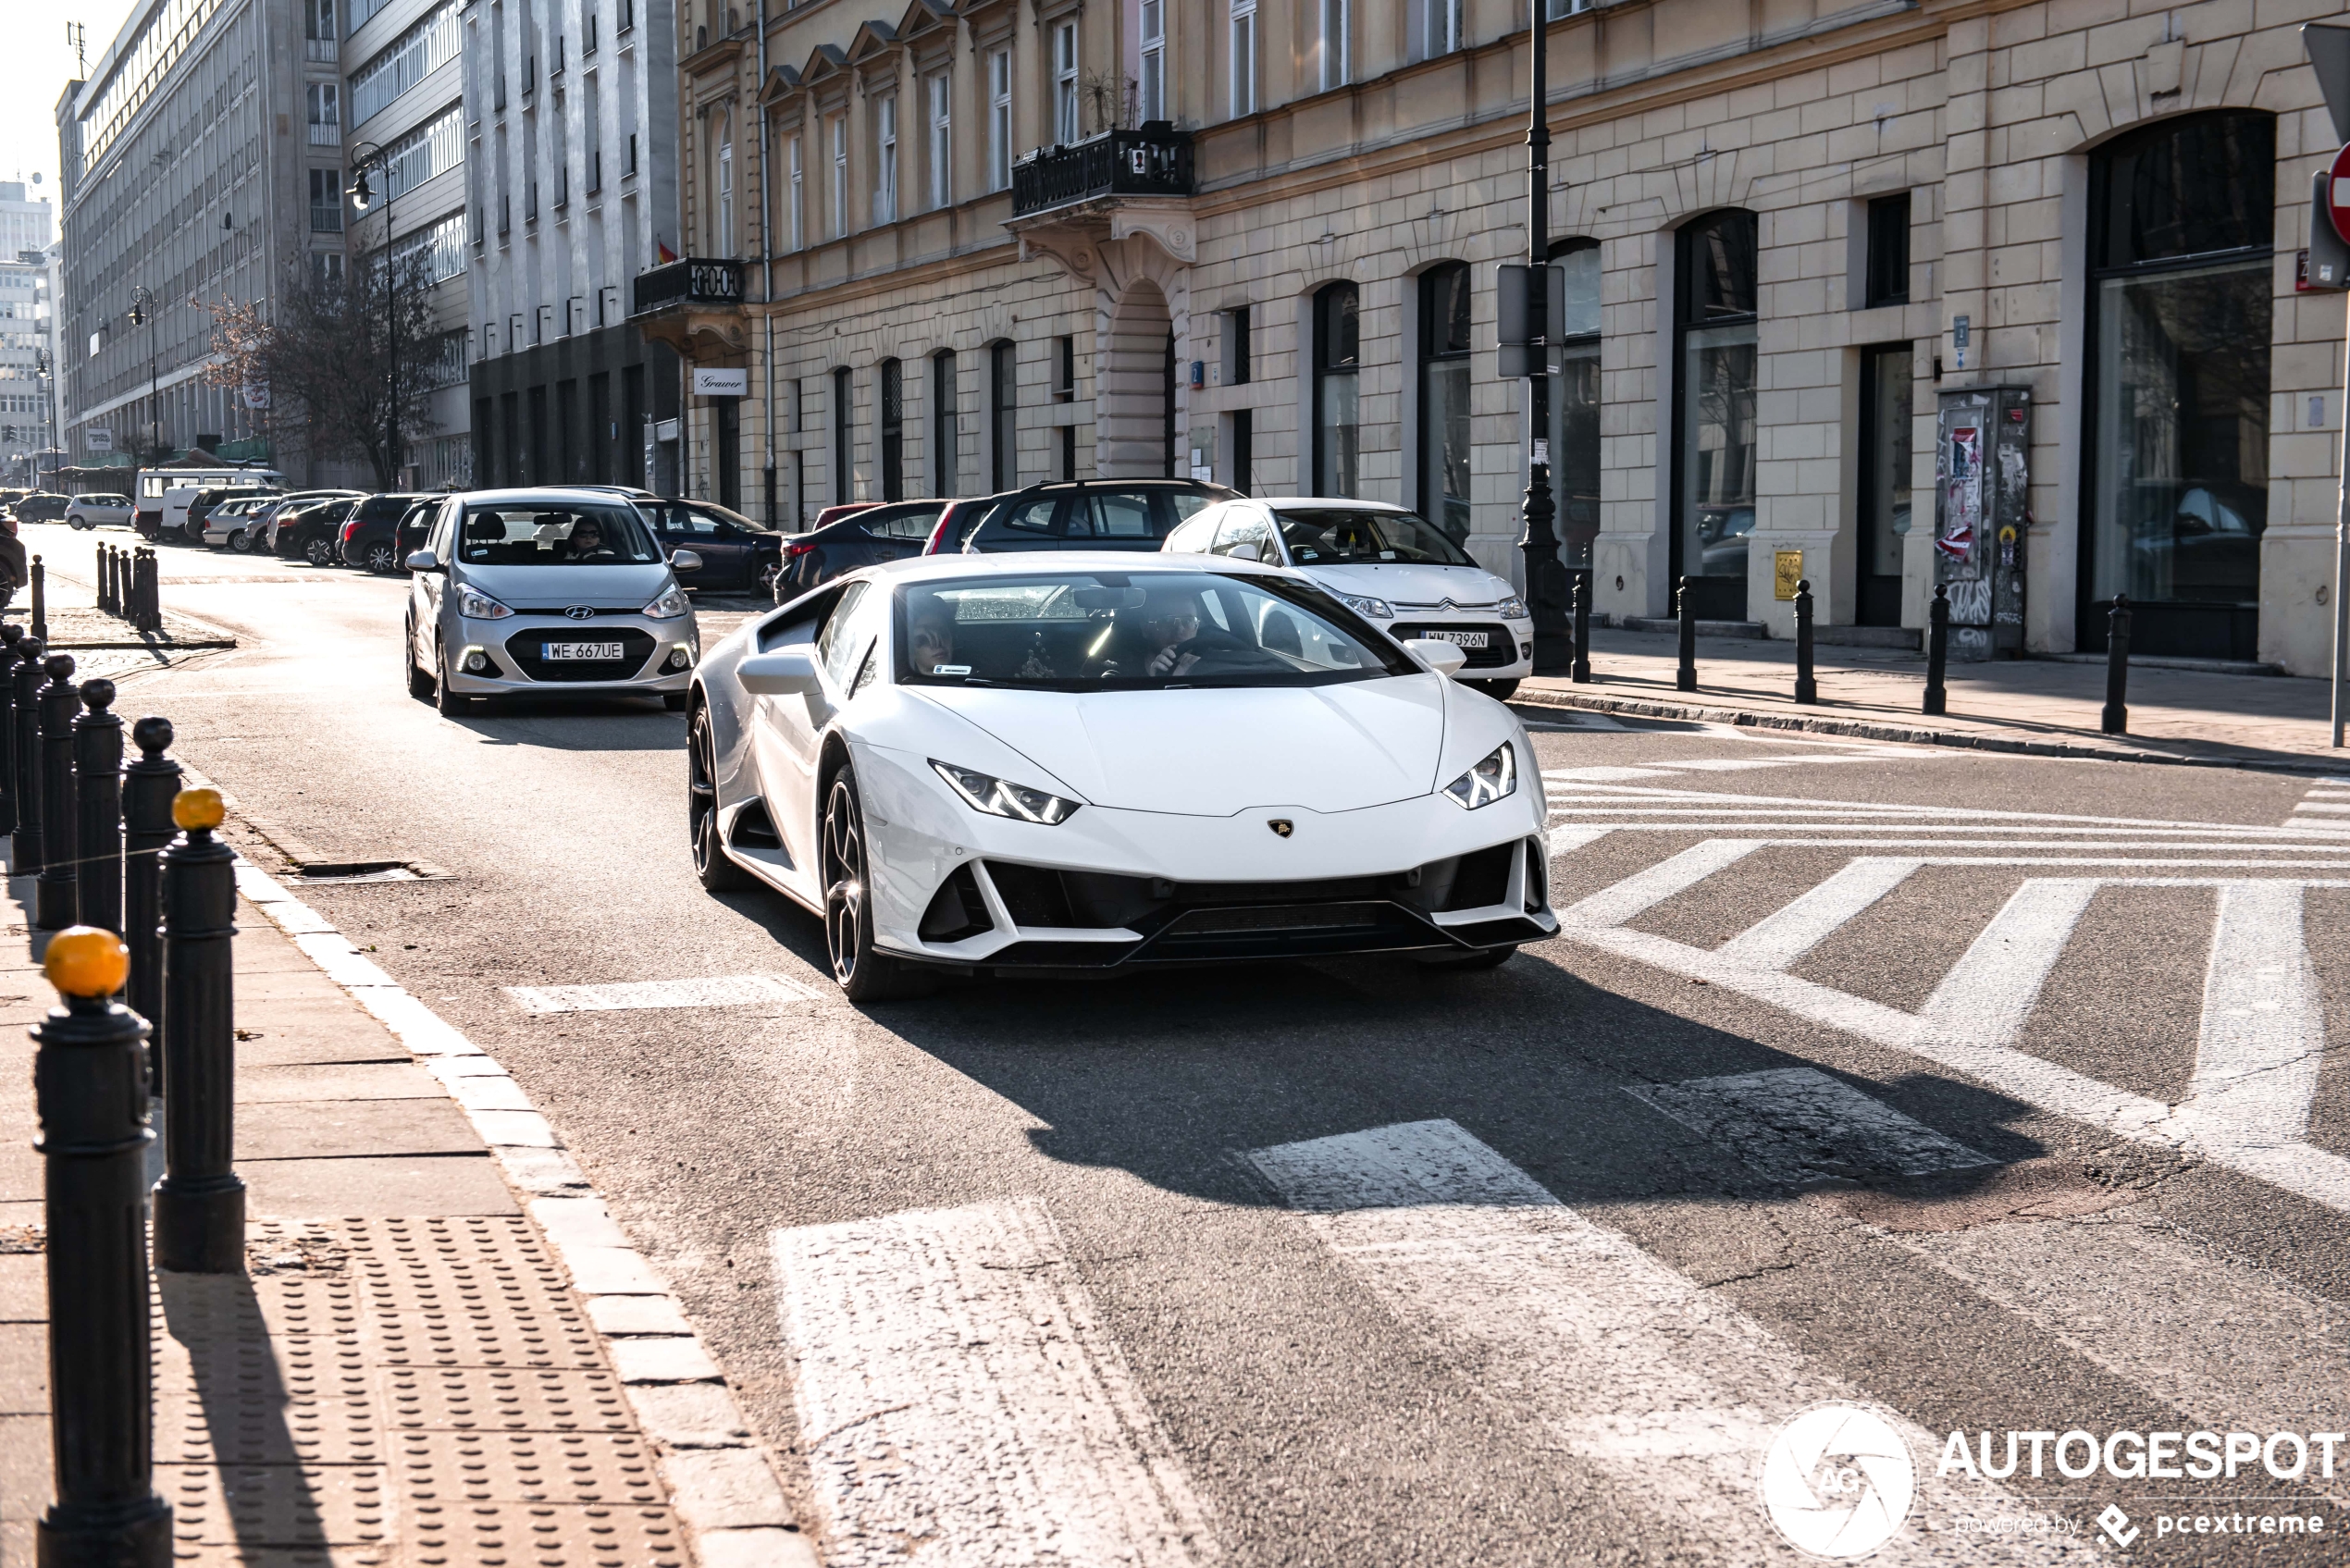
1088,761
1390,565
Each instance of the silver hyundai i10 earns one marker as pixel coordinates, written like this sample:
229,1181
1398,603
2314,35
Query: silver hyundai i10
546,592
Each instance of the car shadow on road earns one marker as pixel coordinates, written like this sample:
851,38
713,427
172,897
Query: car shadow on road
557,724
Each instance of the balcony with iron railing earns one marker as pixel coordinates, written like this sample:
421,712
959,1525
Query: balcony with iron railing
1153,160
697,280
695,305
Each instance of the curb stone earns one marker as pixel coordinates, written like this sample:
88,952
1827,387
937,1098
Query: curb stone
1871,729
720,1480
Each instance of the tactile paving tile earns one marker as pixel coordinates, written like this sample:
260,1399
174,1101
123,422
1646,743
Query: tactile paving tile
520,1399
611,1469
540,1535
284,1505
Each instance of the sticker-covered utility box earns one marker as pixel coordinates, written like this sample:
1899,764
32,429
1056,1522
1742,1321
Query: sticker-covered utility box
1981,514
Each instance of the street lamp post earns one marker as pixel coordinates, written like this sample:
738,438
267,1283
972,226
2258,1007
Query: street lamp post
372,155
142,314
1545,574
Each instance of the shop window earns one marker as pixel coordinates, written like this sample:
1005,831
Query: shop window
1714,469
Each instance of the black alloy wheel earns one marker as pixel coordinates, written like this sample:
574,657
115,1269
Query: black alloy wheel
380,558
718,873
864,975
319,552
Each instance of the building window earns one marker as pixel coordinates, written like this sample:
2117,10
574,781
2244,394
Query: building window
1436,28
1239,349
1337,366
2182,217
1150,91
1065,391
1444,398
942,143
840,176
1003,425
318,21
797,190
893,429
999,120
326,115
1887,382
1336,45
1888,252
1575,405
886,159
946,438
724,227
843,417
1065,124
326,201
1713,478
1243,57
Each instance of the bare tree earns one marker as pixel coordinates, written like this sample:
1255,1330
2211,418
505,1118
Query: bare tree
345,354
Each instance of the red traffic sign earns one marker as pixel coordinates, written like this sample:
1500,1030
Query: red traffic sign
2340,172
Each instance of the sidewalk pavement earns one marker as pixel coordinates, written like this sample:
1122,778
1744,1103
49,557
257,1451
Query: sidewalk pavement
443,1351
2044,707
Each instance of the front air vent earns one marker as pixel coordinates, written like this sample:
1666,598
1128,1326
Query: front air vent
956,911
1482,878
1537,875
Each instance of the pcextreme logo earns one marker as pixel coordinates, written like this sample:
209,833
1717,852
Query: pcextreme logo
1838,1481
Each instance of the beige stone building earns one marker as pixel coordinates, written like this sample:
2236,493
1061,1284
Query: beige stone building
964,246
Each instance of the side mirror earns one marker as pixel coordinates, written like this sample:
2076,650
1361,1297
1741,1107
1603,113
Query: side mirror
788,674
1245,552
684,560
1442,657
424,561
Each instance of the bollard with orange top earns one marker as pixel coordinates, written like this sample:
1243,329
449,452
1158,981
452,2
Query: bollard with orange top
200,1203
89,1084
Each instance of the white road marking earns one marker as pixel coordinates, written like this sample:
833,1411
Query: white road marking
2311,804
1637,893
724,990
1669,1387
2264,1033
1797,1125
961,1407
1781,938
1565,840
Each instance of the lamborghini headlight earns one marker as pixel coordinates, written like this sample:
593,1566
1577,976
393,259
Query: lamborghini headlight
984,792
1488,781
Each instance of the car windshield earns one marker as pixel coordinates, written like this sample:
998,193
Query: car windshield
564,534
1318,536
1083,631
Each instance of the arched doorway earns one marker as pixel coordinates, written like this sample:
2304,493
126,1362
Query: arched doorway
2181,220
1134,380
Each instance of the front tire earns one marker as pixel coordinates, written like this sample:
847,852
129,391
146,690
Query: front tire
319,552
451,703
419,684
241,542
380,558
80,524
717,873
863,974
1500,691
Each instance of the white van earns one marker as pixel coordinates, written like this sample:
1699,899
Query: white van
173,523
154,483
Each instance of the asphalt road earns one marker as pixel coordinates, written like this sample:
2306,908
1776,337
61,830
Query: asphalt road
1857,1077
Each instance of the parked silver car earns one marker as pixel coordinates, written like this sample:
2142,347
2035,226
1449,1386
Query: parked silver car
99,509
546,592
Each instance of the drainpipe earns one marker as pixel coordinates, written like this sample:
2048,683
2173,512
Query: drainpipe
766,261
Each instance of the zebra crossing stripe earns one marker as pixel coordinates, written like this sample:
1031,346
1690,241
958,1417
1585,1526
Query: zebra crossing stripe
1636,1370
1635,894
726,991
1797,1125
1782,937
961,1406
2263,1030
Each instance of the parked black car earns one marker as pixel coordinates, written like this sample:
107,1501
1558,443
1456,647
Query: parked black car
40,506
863,538
1133,515
736,553
311,533
366,538
414,524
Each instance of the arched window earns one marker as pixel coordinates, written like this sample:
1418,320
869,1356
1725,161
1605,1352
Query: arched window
945,444
1713,473
893,429
1444,398
1575,405
1337,365
2182,219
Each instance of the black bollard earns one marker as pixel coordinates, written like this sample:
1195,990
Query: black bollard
1938,650
148,786
105,578
39,599
115,561
1807,690
1685,678
89,1081
151,596
1582,672
55,902
200,1203
2115,720
24,844
97,807
11,640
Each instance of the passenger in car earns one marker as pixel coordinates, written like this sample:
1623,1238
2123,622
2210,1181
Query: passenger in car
931,638
587,542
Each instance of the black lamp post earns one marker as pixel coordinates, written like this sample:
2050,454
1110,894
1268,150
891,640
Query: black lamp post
371,155
142,314
1545,573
